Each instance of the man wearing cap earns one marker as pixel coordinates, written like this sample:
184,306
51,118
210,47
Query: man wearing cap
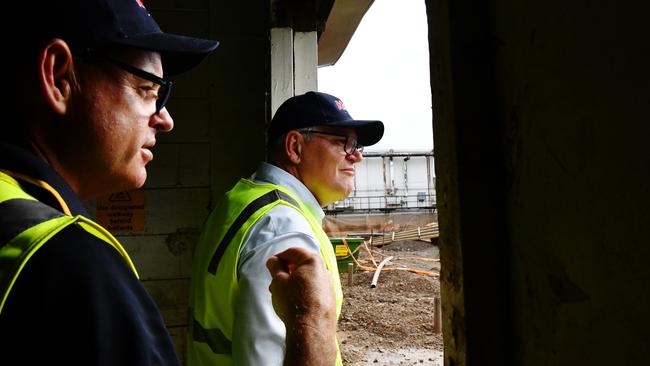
313,144
86,101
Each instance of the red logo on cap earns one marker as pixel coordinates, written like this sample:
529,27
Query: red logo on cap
340,105
140,3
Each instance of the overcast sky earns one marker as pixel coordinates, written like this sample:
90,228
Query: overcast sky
384,74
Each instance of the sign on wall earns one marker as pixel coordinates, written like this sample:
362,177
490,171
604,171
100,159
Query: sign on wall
121,212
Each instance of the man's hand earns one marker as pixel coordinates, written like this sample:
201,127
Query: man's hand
303,297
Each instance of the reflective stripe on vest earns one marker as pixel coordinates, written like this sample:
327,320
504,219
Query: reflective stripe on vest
215,267
214,338
252,207
19,214
27,224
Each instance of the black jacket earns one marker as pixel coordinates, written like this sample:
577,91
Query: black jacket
77,302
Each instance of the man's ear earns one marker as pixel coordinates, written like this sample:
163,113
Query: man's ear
56,73
293,146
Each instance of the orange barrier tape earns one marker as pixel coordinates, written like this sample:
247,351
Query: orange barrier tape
420,259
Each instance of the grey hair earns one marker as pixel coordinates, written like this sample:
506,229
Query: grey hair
275,148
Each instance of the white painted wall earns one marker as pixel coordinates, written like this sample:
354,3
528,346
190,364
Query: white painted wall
392,180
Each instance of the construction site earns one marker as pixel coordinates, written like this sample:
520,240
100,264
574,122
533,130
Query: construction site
391,311
391,315
385,237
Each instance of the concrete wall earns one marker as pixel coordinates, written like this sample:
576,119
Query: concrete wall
543,174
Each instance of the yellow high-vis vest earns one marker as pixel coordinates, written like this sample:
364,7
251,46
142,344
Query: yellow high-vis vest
26,224
214,287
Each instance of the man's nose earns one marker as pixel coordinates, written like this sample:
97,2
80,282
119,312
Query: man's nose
356,156
163,121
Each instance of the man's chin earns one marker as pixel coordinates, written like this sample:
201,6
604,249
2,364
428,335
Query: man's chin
343,194
140,179
134,181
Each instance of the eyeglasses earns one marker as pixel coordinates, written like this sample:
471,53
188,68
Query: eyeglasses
165,85
351,144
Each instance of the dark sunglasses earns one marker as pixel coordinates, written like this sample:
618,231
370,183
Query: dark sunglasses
351,144
165,85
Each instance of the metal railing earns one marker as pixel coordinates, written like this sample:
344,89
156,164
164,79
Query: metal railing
421,201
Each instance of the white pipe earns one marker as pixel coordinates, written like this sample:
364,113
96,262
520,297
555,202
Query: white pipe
375,276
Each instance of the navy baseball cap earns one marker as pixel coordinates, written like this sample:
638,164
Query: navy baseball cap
320,109
95,24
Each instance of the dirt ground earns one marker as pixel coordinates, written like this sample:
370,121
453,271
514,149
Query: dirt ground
393,323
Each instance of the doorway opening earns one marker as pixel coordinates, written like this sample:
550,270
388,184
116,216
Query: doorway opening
386,231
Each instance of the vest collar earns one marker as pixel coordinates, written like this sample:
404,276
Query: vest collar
269,173
22,161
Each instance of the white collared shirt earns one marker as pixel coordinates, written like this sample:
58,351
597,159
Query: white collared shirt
258,333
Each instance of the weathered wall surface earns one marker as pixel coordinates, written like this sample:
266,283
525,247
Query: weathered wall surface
543,176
